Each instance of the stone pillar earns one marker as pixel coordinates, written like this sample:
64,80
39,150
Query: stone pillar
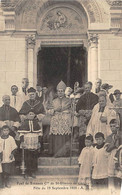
30,58
89,64
93,44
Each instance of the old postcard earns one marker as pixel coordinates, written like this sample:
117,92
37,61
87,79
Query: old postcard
60,97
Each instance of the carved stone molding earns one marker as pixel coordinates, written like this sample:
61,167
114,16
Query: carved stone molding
9,5
93,40
114,2
30,40
62,20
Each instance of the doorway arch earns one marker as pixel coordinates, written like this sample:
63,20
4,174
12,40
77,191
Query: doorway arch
62,45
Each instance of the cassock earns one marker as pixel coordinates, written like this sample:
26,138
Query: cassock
85,104
9,116
32,106
87,101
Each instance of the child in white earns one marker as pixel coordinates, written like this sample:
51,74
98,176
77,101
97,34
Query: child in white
100,162
85,160
8,145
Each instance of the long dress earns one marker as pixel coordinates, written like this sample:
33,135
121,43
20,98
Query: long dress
60,128
86,160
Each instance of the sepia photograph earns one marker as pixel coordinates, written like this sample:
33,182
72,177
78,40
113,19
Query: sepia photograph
60,97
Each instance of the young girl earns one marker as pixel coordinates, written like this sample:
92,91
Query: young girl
8,146
85,160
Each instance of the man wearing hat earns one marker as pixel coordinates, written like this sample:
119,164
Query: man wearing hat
32,104
32,110
106,87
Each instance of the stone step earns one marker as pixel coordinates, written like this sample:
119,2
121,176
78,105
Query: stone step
45,180
75,145
50,161
58,170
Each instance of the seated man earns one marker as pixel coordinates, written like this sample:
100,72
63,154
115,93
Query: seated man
9,116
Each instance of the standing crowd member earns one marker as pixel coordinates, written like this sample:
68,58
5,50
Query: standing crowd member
100,118
98,85
24,90
15,98
39,95
84,107
106,87
118,108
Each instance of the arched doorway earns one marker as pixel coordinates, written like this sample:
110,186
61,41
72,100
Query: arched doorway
62,31
62,63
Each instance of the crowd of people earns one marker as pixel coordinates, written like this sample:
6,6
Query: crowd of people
32,116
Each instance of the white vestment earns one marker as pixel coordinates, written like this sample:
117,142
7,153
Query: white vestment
95,125
7,146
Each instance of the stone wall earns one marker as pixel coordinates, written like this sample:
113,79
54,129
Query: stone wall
12,63
110,60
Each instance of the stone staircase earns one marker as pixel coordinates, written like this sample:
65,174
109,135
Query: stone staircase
75,148
52,170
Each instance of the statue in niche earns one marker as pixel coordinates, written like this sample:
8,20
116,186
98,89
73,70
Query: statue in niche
59,22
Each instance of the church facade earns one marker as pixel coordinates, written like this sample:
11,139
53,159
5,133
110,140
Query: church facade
29,26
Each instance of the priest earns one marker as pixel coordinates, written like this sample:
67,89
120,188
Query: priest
9,116
32,104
